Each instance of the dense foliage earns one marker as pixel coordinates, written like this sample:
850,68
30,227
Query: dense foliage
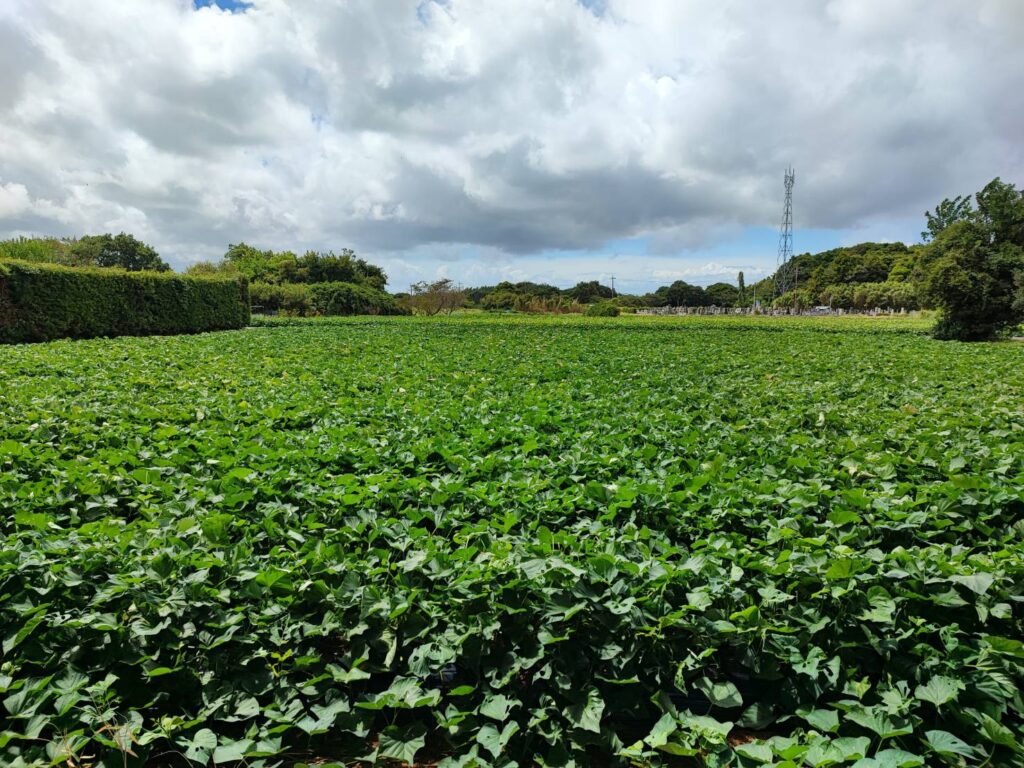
973,268
523,297
862,276
40,301
514,542
602,309
285,267
311,299
122,251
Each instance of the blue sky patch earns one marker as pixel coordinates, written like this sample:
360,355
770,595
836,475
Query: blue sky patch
596,7
235,6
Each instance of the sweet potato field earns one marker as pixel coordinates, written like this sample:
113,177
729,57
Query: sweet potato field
514,542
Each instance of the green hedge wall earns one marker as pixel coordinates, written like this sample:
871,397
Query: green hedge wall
39,302
308,299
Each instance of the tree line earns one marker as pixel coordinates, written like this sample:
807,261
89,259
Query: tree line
969,266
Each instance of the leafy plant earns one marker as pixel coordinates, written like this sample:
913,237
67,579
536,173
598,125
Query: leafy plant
506,541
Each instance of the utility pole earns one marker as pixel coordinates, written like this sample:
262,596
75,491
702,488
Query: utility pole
613,285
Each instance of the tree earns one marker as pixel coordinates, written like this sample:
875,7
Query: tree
946,213
742,288
284,267
589,292
122,250
971,270
682,294
1001,210
722,294
432,298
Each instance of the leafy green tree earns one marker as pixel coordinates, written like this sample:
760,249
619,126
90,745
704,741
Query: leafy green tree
501,299
122,250
946,213
285,268
742,288
1001,210
971,270
682,294
589,292
723,294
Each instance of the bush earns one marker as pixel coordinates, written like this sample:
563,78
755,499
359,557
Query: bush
40,249
290,300
351,299
305,300
39,302
602,309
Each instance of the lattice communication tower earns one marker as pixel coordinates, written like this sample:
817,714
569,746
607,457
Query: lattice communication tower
785,270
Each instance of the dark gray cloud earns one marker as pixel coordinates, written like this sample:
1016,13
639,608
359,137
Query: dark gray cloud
413,129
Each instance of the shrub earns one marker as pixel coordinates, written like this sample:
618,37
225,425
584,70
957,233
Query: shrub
39,302
307,299
40,249
290,300
351,299
602,309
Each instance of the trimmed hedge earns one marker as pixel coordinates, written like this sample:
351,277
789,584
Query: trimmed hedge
39,302
310,299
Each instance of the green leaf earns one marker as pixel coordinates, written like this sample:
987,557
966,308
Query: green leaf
721,694
851,748
939,690
496,707
757,751
825,720
977,582
160,671
231,751
402,744
15,639
946,743
662,729
201,746
998,733
588,714
897,758
493,740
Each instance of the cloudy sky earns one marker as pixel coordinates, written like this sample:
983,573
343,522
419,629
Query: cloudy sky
552,140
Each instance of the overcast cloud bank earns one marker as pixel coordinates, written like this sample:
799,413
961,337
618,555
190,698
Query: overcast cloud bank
490,139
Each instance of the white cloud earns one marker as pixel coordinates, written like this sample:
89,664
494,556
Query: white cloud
410,128
14,200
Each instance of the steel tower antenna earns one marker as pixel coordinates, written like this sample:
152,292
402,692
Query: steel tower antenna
785,269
